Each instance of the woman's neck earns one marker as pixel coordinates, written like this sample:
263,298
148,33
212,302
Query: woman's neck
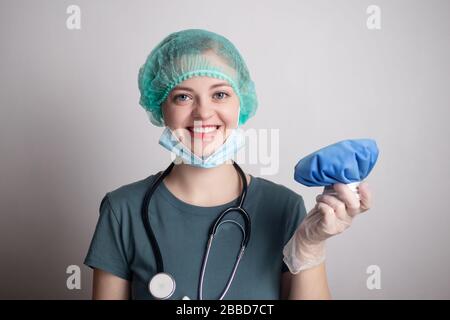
205,187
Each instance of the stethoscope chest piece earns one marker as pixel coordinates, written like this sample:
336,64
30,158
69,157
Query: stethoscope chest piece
162,285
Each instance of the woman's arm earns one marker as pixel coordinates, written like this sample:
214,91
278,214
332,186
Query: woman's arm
309,284
107,286
304,254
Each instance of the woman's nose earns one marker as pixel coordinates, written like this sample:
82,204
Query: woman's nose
202,109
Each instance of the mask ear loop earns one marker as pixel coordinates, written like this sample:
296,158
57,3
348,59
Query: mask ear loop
239,115
162,117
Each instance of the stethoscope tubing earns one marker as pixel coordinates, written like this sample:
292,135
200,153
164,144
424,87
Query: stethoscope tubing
212,231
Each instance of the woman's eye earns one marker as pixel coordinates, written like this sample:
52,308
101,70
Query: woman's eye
181,97
221,95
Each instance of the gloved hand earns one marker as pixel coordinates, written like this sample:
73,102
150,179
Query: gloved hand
330,216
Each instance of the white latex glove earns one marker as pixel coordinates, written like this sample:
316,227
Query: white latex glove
330,216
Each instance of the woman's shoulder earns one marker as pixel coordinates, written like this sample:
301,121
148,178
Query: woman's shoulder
272,195
129,194
276,191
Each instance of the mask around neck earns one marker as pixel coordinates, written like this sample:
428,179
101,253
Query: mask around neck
226,151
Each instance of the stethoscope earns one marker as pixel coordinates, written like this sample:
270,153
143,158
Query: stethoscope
162,285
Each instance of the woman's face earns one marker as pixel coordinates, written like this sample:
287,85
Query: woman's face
201,111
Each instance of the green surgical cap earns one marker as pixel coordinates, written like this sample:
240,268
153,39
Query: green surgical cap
188,53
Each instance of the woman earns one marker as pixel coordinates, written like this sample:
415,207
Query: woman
196,84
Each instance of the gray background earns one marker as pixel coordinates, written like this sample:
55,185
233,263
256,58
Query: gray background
71,128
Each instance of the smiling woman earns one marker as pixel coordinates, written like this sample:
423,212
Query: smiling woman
194,53
203,111
153,231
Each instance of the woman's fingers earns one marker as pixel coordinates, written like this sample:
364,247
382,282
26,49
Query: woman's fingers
354,205
333,214
366,196
339,208
331,224
350,199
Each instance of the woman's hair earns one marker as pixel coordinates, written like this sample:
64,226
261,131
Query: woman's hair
188,53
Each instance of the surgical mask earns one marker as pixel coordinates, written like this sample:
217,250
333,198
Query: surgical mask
226,151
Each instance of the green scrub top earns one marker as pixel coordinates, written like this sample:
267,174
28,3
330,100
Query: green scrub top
120,245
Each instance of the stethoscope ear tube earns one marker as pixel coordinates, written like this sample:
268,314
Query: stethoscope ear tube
239,209
246,235
145,219
244,184
162,285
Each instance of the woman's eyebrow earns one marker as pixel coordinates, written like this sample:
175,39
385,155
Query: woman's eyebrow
183,88
220,85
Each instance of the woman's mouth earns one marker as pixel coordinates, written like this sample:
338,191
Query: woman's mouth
206,132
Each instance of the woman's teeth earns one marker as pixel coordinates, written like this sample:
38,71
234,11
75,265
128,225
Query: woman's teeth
203,129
